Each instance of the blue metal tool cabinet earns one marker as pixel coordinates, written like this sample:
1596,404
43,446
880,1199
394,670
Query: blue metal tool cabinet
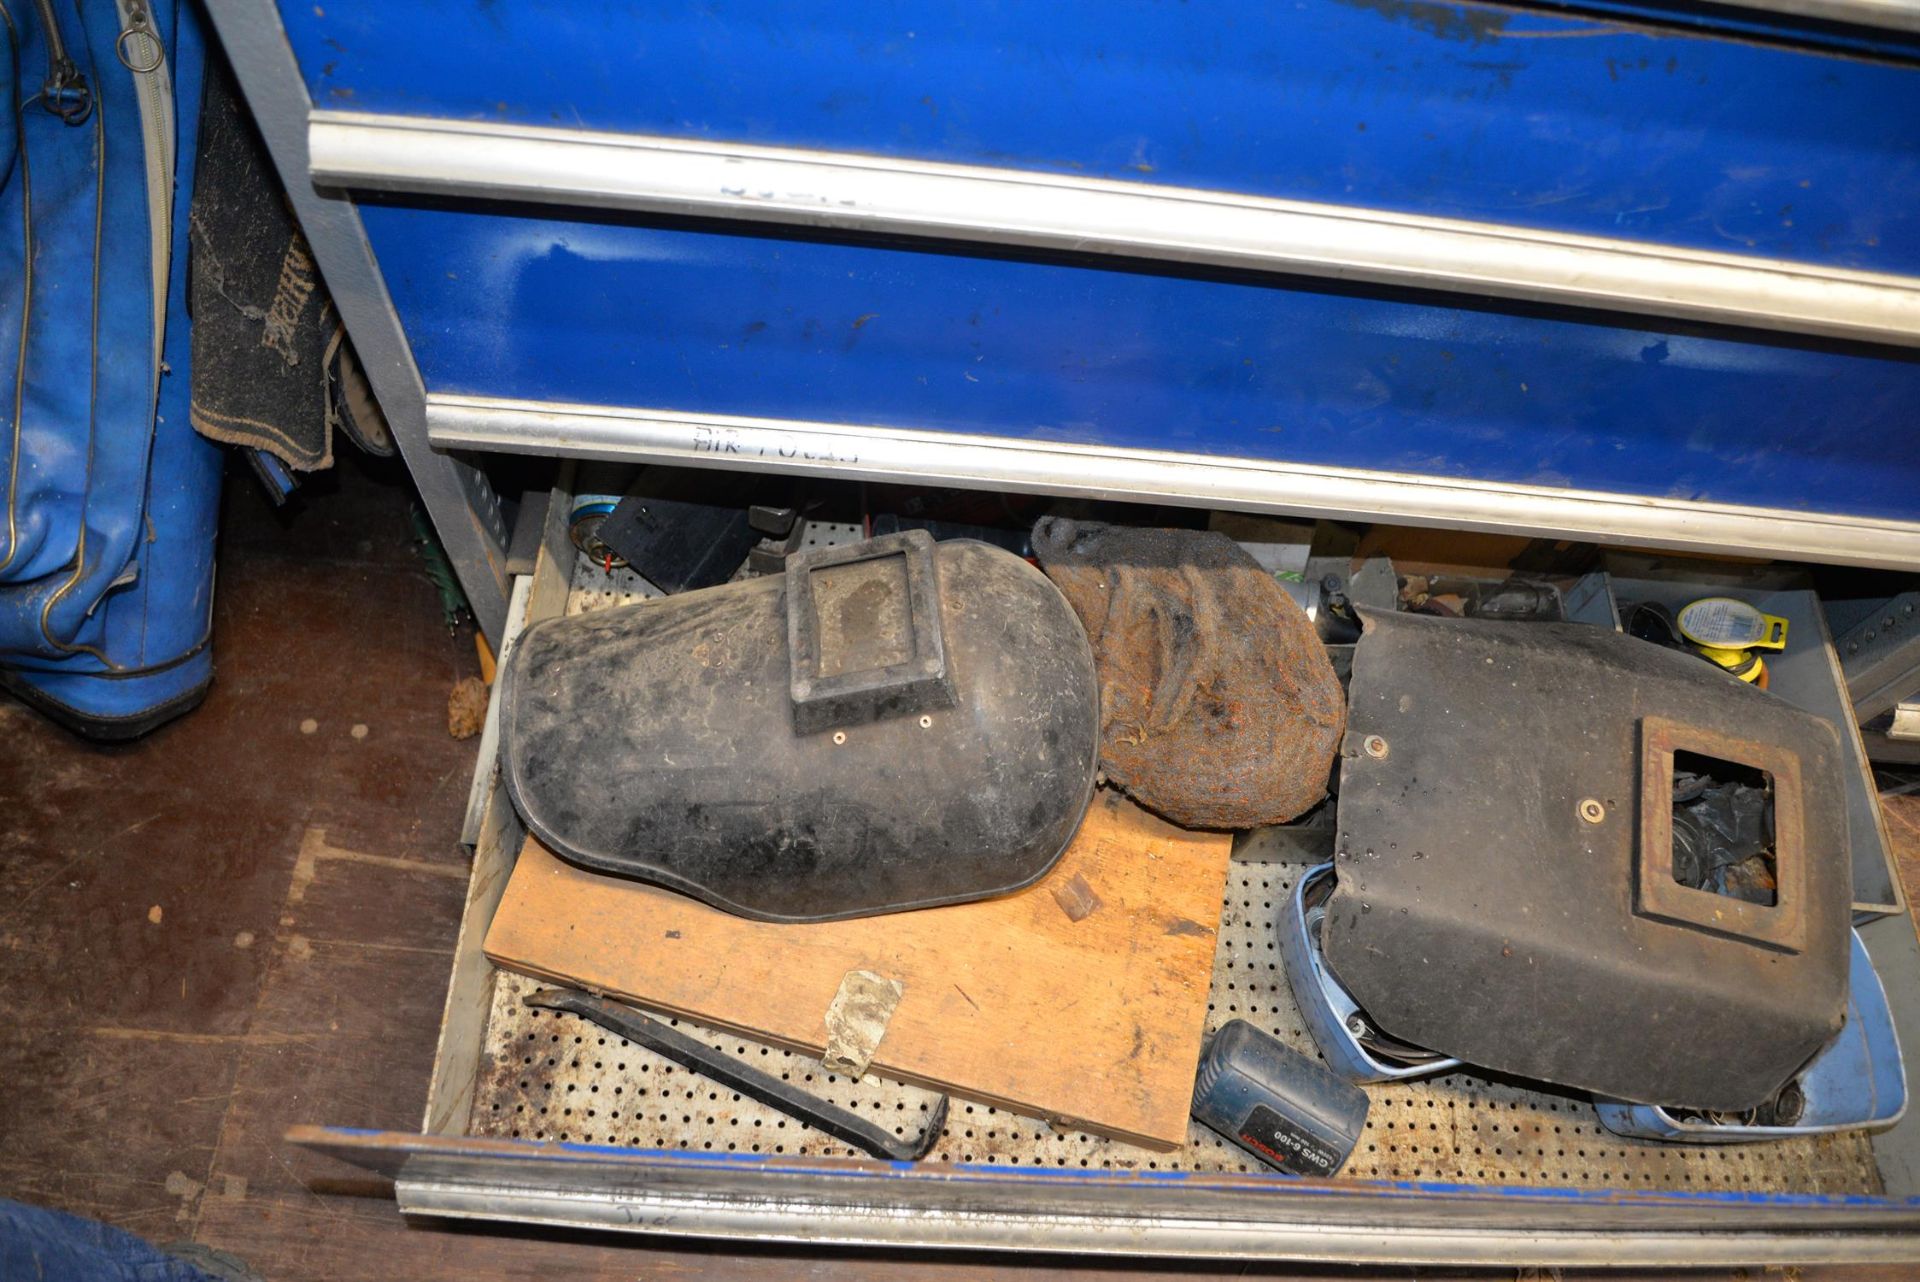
1617,273
1624,271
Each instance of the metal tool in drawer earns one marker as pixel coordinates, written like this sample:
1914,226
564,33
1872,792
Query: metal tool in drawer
775,1092
1353,1045
1859,1082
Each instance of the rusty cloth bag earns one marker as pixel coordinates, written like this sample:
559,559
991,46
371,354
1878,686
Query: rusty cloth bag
1218,706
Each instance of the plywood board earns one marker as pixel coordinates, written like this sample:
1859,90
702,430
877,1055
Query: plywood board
1081,999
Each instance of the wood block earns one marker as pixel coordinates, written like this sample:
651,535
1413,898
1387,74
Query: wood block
1081,999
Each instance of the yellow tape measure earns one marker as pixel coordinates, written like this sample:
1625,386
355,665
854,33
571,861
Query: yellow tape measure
1728,632
1722,623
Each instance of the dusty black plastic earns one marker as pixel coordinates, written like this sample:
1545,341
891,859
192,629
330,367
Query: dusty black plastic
832,638
1505,892
678,545
659,742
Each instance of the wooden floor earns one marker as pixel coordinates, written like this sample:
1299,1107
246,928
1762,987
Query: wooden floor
245,922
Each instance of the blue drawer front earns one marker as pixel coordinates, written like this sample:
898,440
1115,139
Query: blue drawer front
618,312
1498,114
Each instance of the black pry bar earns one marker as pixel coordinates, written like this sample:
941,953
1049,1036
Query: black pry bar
723,1068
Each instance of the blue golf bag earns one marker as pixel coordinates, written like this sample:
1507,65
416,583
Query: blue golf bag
109,497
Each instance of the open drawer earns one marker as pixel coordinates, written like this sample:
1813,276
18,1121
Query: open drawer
536,1118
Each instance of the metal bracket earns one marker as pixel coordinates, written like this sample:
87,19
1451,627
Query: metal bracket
1880,656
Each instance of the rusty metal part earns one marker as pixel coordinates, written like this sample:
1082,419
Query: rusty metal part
1218,705
689,1052
1664,895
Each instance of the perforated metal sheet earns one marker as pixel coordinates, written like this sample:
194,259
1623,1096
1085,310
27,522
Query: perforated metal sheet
594,588
550,1076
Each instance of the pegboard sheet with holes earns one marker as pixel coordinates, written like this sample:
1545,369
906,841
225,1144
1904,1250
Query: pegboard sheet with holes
546,1075
556,1076
595,588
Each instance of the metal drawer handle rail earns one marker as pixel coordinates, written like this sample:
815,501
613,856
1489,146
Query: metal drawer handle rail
1101,216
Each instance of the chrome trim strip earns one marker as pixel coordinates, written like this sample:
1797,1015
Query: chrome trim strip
816,1220
1888,15
1052,467
1088,215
